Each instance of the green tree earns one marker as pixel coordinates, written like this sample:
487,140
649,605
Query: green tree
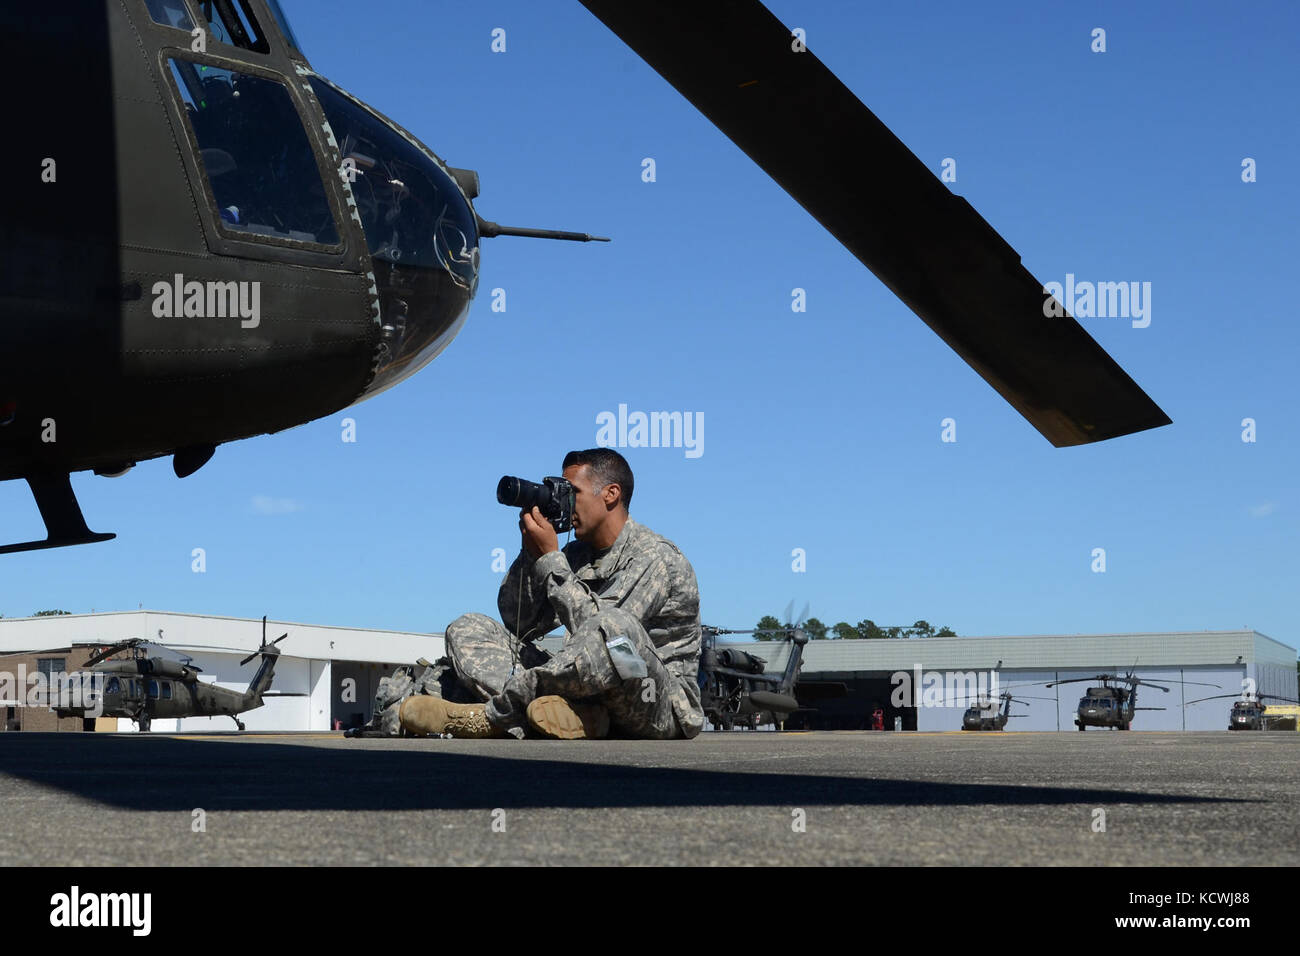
845,631
767,623
921,629
50,613
945,632
815,629
868,629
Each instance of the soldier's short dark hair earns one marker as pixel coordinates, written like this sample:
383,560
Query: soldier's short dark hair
608,467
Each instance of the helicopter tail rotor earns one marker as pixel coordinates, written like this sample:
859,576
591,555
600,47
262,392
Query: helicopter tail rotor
265,646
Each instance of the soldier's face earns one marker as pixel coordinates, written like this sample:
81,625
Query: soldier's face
590,506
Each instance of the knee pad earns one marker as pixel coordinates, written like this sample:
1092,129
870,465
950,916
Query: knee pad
468,620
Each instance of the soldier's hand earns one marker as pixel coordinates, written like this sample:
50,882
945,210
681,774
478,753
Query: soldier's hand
539,535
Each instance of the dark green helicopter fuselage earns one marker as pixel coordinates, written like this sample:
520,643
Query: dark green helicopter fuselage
203,245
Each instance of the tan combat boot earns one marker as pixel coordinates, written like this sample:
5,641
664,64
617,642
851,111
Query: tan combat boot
422,714
556,717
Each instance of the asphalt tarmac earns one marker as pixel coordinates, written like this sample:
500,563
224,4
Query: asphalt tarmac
1182,799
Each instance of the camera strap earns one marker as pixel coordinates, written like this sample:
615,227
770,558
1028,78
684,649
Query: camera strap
518,639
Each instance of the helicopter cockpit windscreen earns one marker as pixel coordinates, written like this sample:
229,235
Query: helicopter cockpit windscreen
255,152
420,229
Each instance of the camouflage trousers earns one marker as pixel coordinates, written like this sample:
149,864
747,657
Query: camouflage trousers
484,654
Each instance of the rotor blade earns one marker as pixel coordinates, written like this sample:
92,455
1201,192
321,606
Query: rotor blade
1246,700
1165,680
1217,697
280,638
248,658
110,651
788,112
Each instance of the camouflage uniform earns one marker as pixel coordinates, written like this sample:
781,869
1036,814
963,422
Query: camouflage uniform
641,589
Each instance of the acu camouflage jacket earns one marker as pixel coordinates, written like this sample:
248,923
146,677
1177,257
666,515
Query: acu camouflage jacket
642,573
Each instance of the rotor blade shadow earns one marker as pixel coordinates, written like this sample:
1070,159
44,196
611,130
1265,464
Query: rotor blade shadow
166,774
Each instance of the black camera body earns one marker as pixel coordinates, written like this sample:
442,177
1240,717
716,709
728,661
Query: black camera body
554,497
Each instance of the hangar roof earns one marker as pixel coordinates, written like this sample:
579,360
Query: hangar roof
208,632
324,642
1036,652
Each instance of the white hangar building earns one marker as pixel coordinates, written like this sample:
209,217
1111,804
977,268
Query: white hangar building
335,668
870,668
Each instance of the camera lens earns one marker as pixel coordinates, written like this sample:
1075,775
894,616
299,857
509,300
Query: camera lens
508,490
519,493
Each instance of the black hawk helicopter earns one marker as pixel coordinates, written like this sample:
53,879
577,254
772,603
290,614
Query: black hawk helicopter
736,689
142,688
1249,712
987,713
205,240
1114,707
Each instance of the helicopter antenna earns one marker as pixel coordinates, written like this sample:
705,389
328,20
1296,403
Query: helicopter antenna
490,230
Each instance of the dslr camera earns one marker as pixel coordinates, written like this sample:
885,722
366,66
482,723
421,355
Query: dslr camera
554,497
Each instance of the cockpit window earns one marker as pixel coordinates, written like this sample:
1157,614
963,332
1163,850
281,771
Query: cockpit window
114,686
420,229
232,22
151,688
255,153
170,13
283,21
411,211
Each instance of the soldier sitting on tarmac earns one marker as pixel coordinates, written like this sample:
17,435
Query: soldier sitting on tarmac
630,603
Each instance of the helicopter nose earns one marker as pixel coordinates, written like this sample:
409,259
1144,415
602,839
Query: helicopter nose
420,229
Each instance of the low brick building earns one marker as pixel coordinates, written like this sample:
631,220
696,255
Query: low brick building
24,690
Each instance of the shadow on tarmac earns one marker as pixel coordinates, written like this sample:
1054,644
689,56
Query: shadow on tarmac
167,773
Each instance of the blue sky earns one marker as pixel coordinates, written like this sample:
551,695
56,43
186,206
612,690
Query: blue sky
822,429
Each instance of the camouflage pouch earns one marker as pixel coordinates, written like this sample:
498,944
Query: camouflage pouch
436,680
393,688
388,722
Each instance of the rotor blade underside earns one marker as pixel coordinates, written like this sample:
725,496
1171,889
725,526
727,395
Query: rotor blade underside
733,60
